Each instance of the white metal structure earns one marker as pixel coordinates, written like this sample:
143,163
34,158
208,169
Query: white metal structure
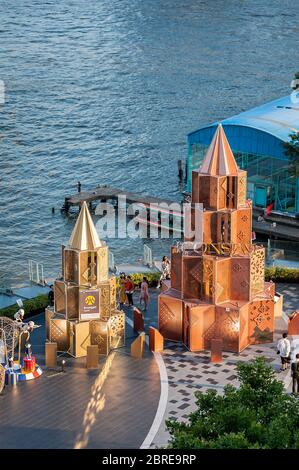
147,256
36,272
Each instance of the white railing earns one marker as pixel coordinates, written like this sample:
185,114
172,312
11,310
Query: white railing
111,261
36,272
147,256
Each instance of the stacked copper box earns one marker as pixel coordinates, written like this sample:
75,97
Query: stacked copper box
217,286
84,311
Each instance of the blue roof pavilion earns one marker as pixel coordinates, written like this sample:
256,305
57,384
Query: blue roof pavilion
256,138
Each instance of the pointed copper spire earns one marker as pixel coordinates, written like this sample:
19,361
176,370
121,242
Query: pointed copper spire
84,235
219,159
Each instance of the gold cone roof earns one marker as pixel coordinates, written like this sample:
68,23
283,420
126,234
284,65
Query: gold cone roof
219,159
84,235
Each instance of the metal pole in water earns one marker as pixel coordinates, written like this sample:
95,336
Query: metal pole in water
180,169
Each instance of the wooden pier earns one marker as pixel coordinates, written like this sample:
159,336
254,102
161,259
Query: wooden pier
286,228
105,193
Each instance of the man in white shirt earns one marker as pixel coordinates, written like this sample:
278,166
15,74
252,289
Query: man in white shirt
284,349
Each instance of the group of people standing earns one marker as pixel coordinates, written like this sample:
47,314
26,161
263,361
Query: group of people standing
127,288
284,350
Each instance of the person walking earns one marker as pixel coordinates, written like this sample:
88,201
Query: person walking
122,290
79,187
129,289
144,295
295,375
284,349
51,295
165,271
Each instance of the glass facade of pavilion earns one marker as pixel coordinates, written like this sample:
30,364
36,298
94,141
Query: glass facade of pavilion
256,138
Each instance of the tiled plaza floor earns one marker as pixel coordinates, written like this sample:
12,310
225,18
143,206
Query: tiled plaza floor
190,372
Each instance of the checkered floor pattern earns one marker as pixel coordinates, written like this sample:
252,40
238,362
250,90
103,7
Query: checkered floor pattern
190,372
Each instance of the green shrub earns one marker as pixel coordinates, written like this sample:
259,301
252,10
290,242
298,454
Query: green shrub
32,307
257,415
152,278
280,274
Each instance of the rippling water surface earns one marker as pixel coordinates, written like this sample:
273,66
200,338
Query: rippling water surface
106,91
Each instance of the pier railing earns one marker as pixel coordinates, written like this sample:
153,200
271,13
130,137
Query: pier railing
147,256
36,272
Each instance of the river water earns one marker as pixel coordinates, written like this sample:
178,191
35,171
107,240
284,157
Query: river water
105,92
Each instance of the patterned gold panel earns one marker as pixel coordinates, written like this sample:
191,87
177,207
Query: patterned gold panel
112,282
103,264
105,301
117,329
257,272
49,313
100,335
242,189
79,338
59,333
71,265
72,302
88,268
59,297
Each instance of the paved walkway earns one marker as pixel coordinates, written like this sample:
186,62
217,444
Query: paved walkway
113,407
116,406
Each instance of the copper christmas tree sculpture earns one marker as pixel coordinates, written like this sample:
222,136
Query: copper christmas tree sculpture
84,311
217,291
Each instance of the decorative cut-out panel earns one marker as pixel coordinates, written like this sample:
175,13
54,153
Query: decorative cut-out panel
170,317
71,265
192,277
225,327
112,282
117,329
72,302
105,301
240,278
59,297
59,333
241,189
197,319
257,271
261,321
102,264
100,335
79,338
176,269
